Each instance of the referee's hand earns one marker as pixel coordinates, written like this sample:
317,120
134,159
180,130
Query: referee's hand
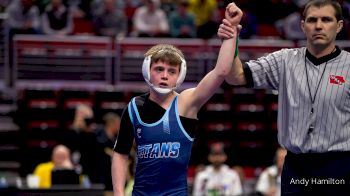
227,31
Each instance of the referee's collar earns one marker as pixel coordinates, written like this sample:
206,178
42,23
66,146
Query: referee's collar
319,61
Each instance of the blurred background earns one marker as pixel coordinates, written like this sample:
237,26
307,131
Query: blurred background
60,55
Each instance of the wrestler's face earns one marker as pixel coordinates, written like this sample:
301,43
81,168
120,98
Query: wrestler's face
164,75
321,26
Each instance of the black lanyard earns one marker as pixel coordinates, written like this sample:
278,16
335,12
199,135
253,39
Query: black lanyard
312,98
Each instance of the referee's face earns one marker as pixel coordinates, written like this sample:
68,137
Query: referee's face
321,26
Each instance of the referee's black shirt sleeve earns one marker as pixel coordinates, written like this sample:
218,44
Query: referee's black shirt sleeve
248,76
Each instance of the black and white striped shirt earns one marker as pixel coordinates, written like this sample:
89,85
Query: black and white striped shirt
301,130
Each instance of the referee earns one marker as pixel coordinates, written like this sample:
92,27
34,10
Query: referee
313,102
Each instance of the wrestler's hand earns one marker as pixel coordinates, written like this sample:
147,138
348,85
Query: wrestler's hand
233,14
227,31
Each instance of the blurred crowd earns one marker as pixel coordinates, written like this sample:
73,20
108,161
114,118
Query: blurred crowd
156,18
218,178
85,148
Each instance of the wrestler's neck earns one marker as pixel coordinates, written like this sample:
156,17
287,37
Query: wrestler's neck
163,100
320,51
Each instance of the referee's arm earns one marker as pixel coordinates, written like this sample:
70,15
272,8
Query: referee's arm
236,75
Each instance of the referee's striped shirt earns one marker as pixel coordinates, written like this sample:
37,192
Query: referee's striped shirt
325,129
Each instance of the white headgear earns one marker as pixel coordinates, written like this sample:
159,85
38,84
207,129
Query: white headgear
146,67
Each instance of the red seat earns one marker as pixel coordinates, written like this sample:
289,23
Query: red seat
83,26
250,126
42,103
43,124
218,126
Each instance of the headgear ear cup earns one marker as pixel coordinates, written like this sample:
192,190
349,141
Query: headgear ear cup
146,67
182,74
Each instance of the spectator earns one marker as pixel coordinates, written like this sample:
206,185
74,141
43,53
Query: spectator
98,6
57,19
168,6
207,17
202,10
85,142
111,21
217,178
60,159
81,139
106,137
130,7
344,34
208,29
289,27
150,21
182,23
269,181
23,17
81,8
250,23
83,118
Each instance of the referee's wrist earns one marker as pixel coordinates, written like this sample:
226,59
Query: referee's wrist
232,37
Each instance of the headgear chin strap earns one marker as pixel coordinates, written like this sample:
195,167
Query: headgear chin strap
146,69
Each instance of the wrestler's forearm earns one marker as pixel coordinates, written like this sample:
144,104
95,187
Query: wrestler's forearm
119,171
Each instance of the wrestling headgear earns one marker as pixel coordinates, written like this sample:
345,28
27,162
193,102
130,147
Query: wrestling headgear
146,67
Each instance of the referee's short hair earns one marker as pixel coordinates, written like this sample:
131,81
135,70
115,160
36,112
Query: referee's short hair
322,3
